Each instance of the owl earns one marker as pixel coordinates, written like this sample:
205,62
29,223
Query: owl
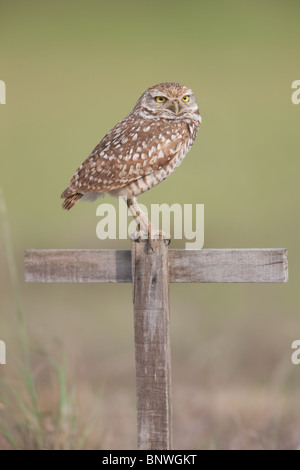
139,152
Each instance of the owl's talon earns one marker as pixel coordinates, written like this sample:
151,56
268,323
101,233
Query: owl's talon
160,235
167,241
139,235
136,236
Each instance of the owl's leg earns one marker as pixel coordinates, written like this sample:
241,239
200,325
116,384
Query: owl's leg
145,229
143,223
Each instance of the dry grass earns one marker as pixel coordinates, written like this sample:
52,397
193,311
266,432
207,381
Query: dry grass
26,421
232,417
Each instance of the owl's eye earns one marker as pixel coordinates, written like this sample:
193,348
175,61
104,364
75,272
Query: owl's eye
160,99
186,98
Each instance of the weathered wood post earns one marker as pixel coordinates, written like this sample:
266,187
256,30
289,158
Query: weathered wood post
150,284
150,272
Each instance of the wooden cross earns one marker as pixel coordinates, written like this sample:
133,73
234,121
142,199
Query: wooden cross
150,271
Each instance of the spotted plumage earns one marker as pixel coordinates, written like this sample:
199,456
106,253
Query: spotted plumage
141,150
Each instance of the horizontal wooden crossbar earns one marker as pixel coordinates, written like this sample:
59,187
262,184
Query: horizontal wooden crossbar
207,265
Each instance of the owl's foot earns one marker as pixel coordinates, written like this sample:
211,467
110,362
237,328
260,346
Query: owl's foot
144,228
156,234
139,234
152,234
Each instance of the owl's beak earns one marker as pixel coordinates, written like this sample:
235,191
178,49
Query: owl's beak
174,107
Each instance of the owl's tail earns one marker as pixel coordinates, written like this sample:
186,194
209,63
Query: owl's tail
70,201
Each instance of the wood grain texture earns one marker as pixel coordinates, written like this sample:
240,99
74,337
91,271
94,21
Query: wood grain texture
77,266
229,265
206,265
152,345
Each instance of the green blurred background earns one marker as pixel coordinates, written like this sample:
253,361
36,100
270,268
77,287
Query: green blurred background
72,70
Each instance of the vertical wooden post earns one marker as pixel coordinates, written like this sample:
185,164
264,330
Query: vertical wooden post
150,280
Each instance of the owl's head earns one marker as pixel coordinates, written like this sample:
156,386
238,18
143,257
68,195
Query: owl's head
168,100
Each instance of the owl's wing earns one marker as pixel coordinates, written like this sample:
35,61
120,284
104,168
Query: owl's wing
132,149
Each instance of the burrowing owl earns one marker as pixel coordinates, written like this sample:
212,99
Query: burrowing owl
141,150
